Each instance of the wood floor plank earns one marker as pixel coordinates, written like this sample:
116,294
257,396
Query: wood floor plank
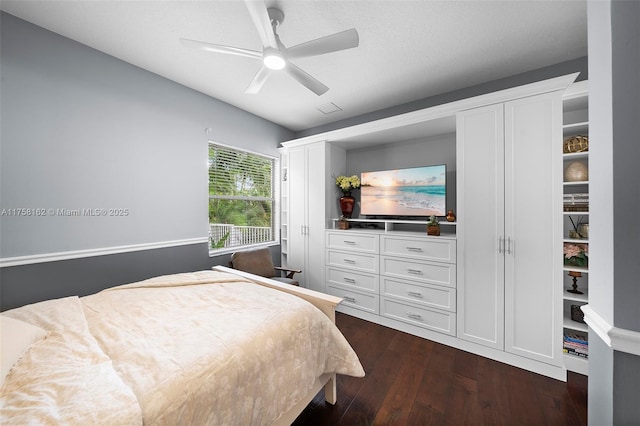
425,416
399,400
493,393
436,384
414,381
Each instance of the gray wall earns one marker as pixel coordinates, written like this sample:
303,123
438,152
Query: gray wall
81,129
614,294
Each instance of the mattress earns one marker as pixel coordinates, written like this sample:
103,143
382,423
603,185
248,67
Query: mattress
196,348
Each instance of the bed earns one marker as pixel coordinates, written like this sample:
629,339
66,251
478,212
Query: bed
216,347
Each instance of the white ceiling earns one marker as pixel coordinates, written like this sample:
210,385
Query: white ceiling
409,49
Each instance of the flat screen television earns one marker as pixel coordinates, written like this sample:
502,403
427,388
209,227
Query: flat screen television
412,192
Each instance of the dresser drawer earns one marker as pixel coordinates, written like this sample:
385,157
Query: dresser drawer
363,281
353,241
441,321
434,248
353,261
428,272
355,299
432,296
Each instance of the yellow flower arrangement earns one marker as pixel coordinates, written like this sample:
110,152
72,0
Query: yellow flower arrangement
346,184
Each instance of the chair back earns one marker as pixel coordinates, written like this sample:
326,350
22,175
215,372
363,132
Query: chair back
257,262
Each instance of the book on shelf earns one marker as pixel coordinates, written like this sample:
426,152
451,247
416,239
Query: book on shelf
574,353
576,202
570,336
576,347
575,343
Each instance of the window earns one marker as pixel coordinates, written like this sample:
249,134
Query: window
242,198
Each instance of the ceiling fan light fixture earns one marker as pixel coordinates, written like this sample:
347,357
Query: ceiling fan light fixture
274,60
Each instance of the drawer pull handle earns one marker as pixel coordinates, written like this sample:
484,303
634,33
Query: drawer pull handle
350,261
351,243
414,271
349,280
415,294
414,249
350,299
414,316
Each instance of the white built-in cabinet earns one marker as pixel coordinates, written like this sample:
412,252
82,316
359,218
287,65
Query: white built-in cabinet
509,186
500,293
311,202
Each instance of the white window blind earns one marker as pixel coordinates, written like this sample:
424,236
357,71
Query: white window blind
241,198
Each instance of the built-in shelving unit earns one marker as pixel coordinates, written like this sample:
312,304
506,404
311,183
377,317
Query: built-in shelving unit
575,232
284,205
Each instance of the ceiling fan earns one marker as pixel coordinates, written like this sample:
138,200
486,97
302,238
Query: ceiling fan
275,56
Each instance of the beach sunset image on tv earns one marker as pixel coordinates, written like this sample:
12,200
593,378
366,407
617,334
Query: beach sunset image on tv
418,191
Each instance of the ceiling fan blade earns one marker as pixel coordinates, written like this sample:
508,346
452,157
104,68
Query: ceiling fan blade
260,16
217,48
332,43
258,81
305,79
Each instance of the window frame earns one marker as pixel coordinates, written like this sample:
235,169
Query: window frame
275,201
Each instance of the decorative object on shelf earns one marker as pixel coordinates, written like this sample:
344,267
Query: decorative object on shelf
576,254
577,314
576,202
451,217
577,143
343,223
583,230
433,226
346,184
346,205
574,286
580,229
576,171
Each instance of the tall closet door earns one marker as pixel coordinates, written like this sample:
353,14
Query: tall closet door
316,195
533,188
298,211
480,202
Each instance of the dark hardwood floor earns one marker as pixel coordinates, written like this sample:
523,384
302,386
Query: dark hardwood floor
413,381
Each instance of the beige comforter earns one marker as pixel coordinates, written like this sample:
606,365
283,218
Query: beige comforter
198,348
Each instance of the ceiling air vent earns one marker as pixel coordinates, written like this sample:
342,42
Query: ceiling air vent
329,108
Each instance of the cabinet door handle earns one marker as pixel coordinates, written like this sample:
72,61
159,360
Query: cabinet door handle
414,316
351,243
414,271
509,246
500,245
349,261
414,249
349,280
350,299
415,294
